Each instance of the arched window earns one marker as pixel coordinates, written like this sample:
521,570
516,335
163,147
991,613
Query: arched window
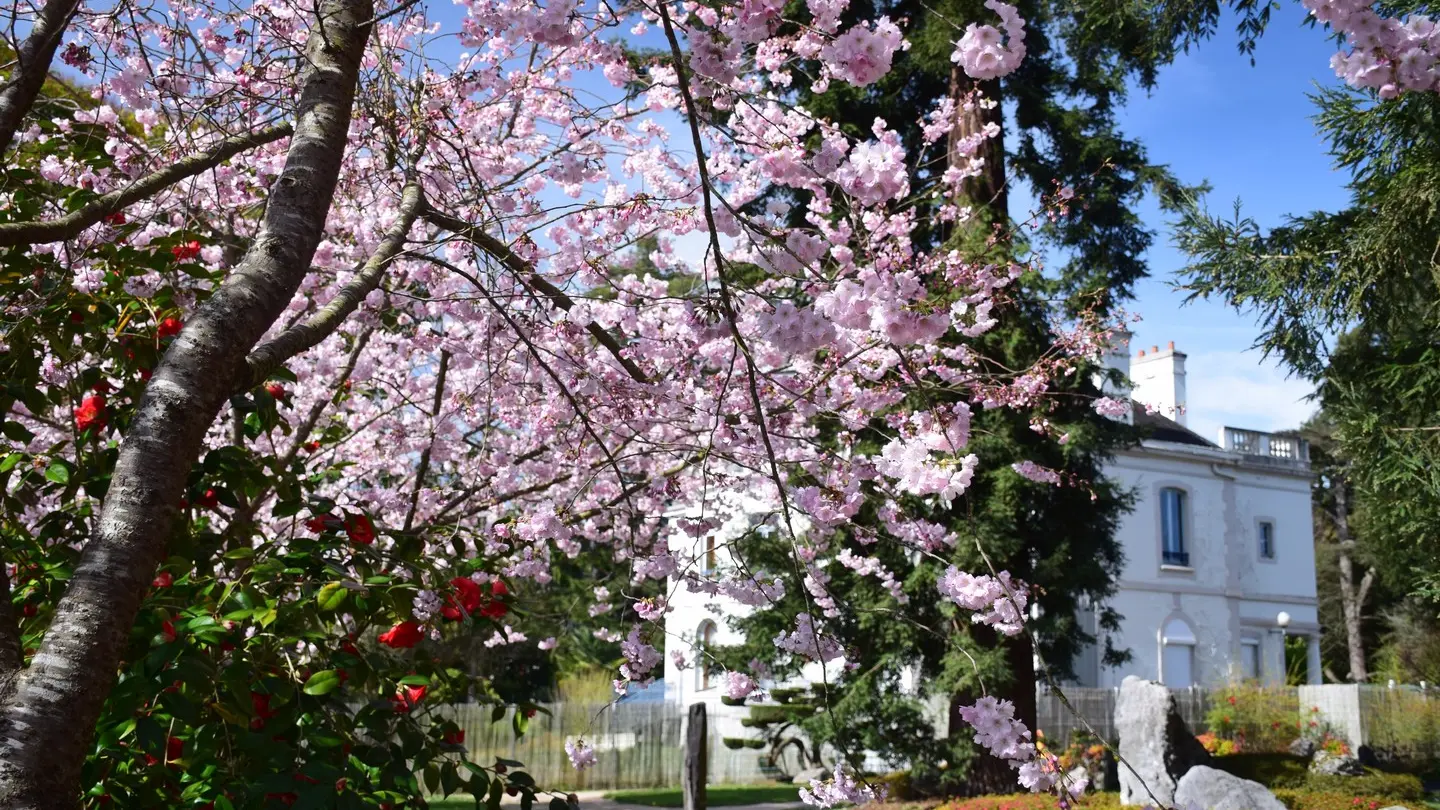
1177,654
704,665
1172,527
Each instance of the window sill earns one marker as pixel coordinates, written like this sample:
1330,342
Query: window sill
1176,569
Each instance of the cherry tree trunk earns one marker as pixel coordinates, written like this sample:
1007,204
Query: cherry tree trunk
48,717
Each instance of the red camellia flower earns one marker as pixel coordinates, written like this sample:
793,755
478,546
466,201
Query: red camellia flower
91,413
408,698
465,601
455,737
209,500
275,390
311,447
321,523
340,784
494,608
117,218
1232,700
170,327
167,629
260,702
360,530
145,374
402,636
164,580
185,252
174,749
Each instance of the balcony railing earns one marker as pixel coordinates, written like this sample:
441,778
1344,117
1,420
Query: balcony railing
1266,445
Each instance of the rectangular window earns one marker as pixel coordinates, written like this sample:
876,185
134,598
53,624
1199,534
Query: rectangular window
1178,665
1250,659
1267,540
1172,527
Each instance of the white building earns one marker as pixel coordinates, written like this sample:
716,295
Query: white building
1219,550
1219,558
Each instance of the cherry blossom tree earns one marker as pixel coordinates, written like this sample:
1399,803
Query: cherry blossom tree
321,347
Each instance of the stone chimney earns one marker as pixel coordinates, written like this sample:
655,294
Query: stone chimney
1159,378
1116,358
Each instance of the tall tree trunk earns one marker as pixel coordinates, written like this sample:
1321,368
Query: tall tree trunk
47,723
1352,596
987,193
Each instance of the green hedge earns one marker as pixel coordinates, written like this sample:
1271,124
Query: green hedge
781,713
1270,770
1282,771
1319,800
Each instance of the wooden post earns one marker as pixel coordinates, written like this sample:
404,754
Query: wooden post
697,758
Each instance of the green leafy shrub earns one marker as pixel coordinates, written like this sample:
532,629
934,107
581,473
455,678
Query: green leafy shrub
1317,800
1255,718
734,743
1404,786
785,694
1270,770
897,785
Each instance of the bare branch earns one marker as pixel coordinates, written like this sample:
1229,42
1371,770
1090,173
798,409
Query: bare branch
73,223
526,273
424,466
35,55
310,332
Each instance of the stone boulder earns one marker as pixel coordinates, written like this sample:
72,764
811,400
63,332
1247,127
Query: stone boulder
1213,789
1303,747
1336,765
1155,745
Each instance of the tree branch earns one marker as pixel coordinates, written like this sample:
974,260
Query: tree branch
73,223
1364,591
525,271
424,465
35,55
310,332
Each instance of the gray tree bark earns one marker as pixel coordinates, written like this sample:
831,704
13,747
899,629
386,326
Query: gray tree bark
1352,596
34,58
47,723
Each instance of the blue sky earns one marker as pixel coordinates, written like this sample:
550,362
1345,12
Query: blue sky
1246,130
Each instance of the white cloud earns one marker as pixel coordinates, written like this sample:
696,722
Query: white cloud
1239,390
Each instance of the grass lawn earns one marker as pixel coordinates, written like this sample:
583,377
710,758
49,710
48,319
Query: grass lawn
715,795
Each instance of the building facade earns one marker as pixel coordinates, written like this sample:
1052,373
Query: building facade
1219,558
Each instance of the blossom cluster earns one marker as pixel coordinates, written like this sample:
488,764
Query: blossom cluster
997,601
840,788
1386,54
997,730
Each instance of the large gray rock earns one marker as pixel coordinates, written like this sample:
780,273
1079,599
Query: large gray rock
1206,788
1155,745
1336,765
1303,747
